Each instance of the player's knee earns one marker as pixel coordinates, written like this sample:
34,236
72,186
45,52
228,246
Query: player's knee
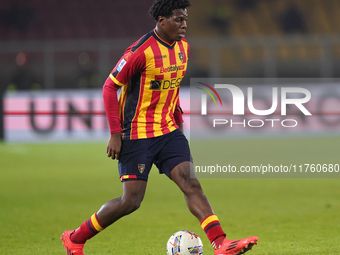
183,176
132,207
191,186
131,204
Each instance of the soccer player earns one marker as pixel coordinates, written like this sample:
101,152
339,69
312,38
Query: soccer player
146,128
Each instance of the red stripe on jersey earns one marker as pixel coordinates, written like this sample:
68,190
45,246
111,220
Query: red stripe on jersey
165,110
150,113
134,124
181,47
149,125
172,57
157,55
159,77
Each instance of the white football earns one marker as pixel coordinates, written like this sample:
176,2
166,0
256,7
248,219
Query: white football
184,242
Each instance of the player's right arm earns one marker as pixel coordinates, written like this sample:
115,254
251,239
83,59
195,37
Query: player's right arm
112,114
128,65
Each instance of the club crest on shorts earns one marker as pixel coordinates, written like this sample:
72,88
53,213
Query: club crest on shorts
141,168
181,56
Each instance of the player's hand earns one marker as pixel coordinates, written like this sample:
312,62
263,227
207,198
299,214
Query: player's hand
114,145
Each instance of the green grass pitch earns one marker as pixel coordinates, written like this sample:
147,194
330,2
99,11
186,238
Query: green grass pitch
48,188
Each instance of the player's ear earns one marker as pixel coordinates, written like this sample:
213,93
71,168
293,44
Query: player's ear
161,20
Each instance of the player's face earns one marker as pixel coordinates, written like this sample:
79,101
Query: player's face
174,28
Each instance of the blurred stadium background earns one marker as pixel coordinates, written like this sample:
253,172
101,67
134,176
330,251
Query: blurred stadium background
58,45
54,58
74,44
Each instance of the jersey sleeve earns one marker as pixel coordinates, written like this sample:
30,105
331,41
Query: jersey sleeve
129,64
111,106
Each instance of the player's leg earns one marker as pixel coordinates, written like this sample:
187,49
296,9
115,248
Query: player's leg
185,179
133,194
198,204
175,161
134,167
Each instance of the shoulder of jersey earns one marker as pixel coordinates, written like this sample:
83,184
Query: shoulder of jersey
142,43
185,40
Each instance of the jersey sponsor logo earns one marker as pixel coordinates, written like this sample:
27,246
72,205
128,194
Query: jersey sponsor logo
155,85
121,65
165,84
171,69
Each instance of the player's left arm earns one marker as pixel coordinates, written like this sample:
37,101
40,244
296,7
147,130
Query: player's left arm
178,116
180,126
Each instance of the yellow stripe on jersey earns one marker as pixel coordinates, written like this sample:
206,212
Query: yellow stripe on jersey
121,101
141,130
157,89
115,80
147,95
164,93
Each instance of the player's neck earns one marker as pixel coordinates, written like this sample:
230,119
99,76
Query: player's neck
163,36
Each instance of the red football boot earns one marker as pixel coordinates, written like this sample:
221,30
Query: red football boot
236,247
71,248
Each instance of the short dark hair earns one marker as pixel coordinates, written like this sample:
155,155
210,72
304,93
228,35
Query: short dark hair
165,8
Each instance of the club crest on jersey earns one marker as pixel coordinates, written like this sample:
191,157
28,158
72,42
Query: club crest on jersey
181,56
141,168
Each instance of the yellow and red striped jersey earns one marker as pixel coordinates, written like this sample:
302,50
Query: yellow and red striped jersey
150,73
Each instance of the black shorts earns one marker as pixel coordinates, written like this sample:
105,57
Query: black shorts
166,152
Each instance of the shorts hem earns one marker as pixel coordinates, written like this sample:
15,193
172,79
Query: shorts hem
137,178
